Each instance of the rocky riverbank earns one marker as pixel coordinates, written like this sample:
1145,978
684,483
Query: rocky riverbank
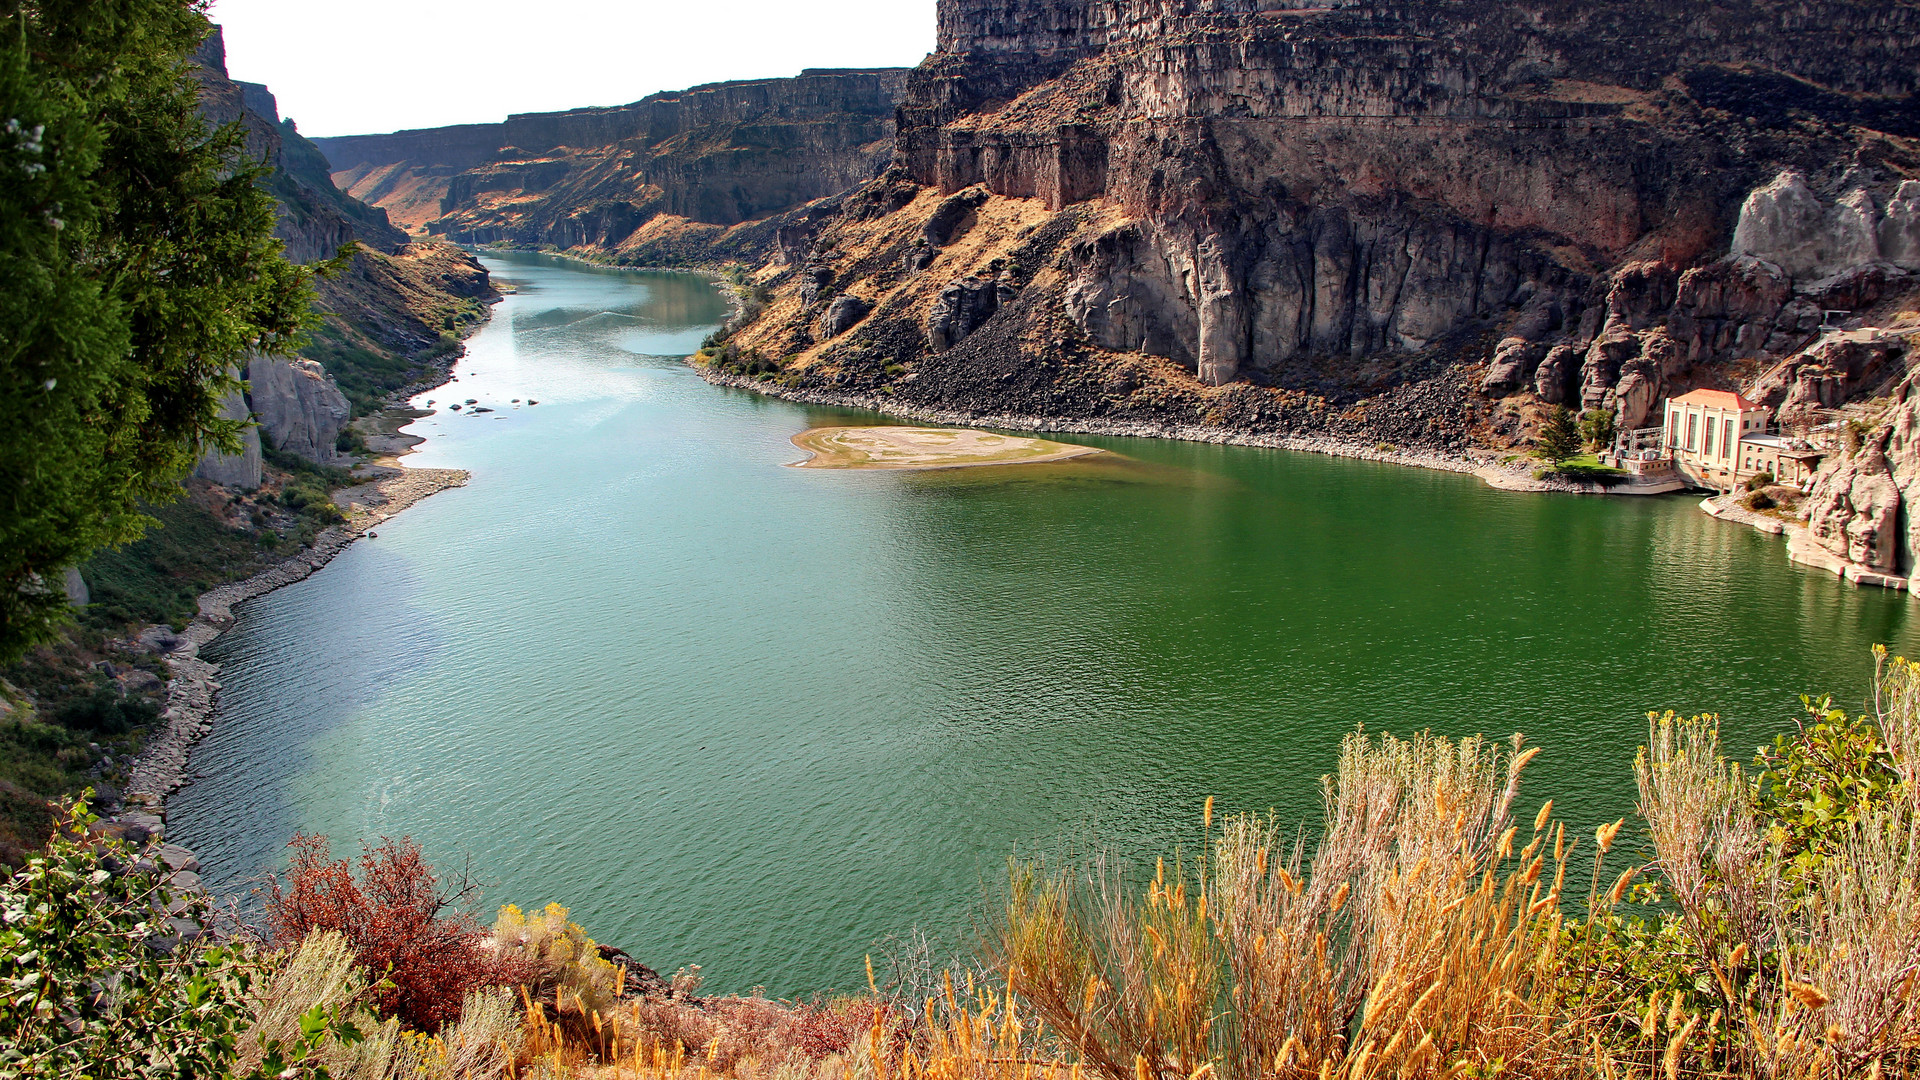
1488,465
1139,429
193,689
1802,546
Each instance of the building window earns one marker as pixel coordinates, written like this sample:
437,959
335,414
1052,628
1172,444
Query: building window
1726,445
1693,423
1706,444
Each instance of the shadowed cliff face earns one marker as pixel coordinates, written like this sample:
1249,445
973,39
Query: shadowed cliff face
690,165
316,219
1414,222
386,317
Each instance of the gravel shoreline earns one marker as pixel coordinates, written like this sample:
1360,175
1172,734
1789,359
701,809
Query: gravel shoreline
880,403
1486,466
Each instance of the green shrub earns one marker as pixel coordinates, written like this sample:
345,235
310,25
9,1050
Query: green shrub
38,764
1558,440
106,712
734,360
1814,787
94,984
159,578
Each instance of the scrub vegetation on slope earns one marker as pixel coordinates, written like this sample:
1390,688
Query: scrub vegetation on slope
1438,924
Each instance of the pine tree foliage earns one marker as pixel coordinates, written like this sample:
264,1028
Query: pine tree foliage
1559,440
137,250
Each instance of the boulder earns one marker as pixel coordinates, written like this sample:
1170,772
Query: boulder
300,409
1634,396
636,979
157,639
843,315
1512,362
137,681
817,279
1854,508
1862,497
1609,352
1553,380
961,309
951,213
1640,293
241,470
175,858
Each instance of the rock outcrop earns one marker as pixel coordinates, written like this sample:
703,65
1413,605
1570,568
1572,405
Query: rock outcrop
316,218
718,157
293,406
1394,222
1857,509
298,407
1830,372
1786,224
843,315
241,470
964,307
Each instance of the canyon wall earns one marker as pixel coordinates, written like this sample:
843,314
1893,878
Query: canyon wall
1422,224
389,308
713,158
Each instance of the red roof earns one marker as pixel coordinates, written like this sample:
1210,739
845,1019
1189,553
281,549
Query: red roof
1718,399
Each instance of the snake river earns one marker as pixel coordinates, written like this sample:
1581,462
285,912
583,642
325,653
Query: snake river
772,720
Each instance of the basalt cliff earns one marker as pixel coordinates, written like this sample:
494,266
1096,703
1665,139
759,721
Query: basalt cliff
1403,228
676,178
1381,226
1412,223
388,315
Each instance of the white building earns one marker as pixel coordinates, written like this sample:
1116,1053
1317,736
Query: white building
1718,439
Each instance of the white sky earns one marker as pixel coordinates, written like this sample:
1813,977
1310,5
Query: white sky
353,67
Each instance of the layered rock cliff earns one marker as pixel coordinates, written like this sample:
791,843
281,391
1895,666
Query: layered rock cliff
316,218
661,179
389,314
1411,223
295,407
1344,221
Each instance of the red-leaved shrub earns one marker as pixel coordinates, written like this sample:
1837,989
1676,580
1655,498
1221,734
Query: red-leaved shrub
405,932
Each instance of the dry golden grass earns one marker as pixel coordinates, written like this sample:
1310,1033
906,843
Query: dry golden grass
1423,933
1416,942
1808,979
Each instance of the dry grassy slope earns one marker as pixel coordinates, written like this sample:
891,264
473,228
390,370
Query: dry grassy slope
390,319
1418,225
1028,358
411,198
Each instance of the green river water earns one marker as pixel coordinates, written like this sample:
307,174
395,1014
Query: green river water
760,719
